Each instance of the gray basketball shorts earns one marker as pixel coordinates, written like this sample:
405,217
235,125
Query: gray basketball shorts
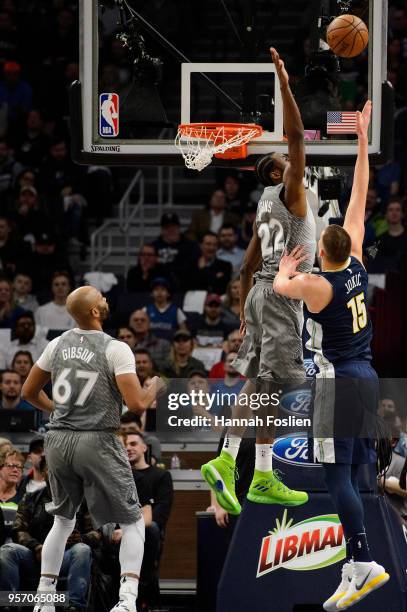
91,465
272,346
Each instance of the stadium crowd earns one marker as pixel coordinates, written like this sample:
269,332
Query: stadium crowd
45,201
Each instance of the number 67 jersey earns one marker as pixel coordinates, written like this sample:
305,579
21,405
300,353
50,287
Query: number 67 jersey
83,366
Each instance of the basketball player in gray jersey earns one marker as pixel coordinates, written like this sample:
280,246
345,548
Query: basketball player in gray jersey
91,373
272,326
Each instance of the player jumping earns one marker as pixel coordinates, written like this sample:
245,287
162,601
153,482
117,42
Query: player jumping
272,347
340,335
91,373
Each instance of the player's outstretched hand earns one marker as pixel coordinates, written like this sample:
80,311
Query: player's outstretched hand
280,68
290,261
363,120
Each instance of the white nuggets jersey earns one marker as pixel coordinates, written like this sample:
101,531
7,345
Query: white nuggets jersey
278,230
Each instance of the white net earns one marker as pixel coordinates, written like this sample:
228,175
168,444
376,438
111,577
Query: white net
199,143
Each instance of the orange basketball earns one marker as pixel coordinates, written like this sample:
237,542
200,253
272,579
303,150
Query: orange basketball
347,36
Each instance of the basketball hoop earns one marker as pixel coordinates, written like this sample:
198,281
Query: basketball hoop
199,142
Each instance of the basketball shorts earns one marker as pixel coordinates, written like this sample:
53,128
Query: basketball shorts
91,465
344,414
272,346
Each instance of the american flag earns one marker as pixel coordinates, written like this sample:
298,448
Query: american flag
339,122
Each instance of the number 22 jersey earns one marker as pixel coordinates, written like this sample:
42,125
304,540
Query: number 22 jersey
342,331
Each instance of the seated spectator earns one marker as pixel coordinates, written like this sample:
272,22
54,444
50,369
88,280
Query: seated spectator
387,180
14,252
245,229
387,409
11,473
231,188
128,335
212,218
228,249
9,171
211,329
131,423
165,317
22,557
145,372
393,243
25,338
175,252
5,446
198,383
394,483
54,314
46,259
140,277
232,344
373,213
15,93
34,480
231,384
29,219
23,297
181,363
58,172
22,364
158,348
32,144
9,311
10,387
210,273
231,303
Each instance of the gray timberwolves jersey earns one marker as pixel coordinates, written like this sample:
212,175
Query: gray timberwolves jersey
84,390
278,230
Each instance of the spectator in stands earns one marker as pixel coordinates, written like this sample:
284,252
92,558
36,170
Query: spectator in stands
245,229
132,423
231,384
140,277
228,249
13,251
231,345
373,215
22,292
22,557
231,303
46,259
145,372
27,216
5,446
10,387
394,481
165,317
212,218
15,93
22,364
54,314
34,480
11,473
393,243
211,328
387,408
175,252
9,311
155,487
210,273
58,172
25,338
128,335
232,190
181,363
158,348
32,144
387,181
10,169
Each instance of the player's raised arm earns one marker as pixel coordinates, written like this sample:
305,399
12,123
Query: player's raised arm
294,196
135,397
354,222
250,265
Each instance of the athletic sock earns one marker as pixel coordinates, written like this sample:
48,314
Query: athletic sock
360,548
47,584
128,589
231,445
264,458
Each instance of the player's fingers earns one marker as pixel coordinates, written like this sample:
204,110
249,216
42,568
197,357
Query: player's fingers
297,251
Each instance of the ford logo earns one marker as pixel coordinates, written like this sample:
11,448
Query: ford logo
297,402
293,450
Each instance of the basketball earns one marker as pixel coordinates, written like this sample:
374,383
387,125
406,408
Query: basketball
347,36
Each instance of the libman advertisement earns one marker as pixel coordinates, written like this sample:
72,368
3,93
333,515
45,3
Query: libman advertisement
309,545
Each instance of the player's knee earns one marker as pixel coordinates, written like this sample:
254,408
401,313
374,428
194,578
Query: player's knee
64,524
137,529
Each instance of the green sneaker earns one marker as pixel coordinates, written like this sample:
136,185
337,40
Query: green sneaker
267,488
220,474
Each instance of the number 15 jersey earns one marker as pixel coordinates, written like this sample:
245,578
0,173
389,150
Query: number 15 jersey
83,366
278,229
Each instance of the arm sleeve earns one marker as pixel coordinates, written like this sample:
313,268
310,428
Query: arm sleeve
163,496
44,361
120,358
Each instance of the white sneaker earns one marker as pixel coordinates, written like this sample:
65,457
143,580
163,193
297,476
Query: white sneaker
44,608
347,572
367,577
124,606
